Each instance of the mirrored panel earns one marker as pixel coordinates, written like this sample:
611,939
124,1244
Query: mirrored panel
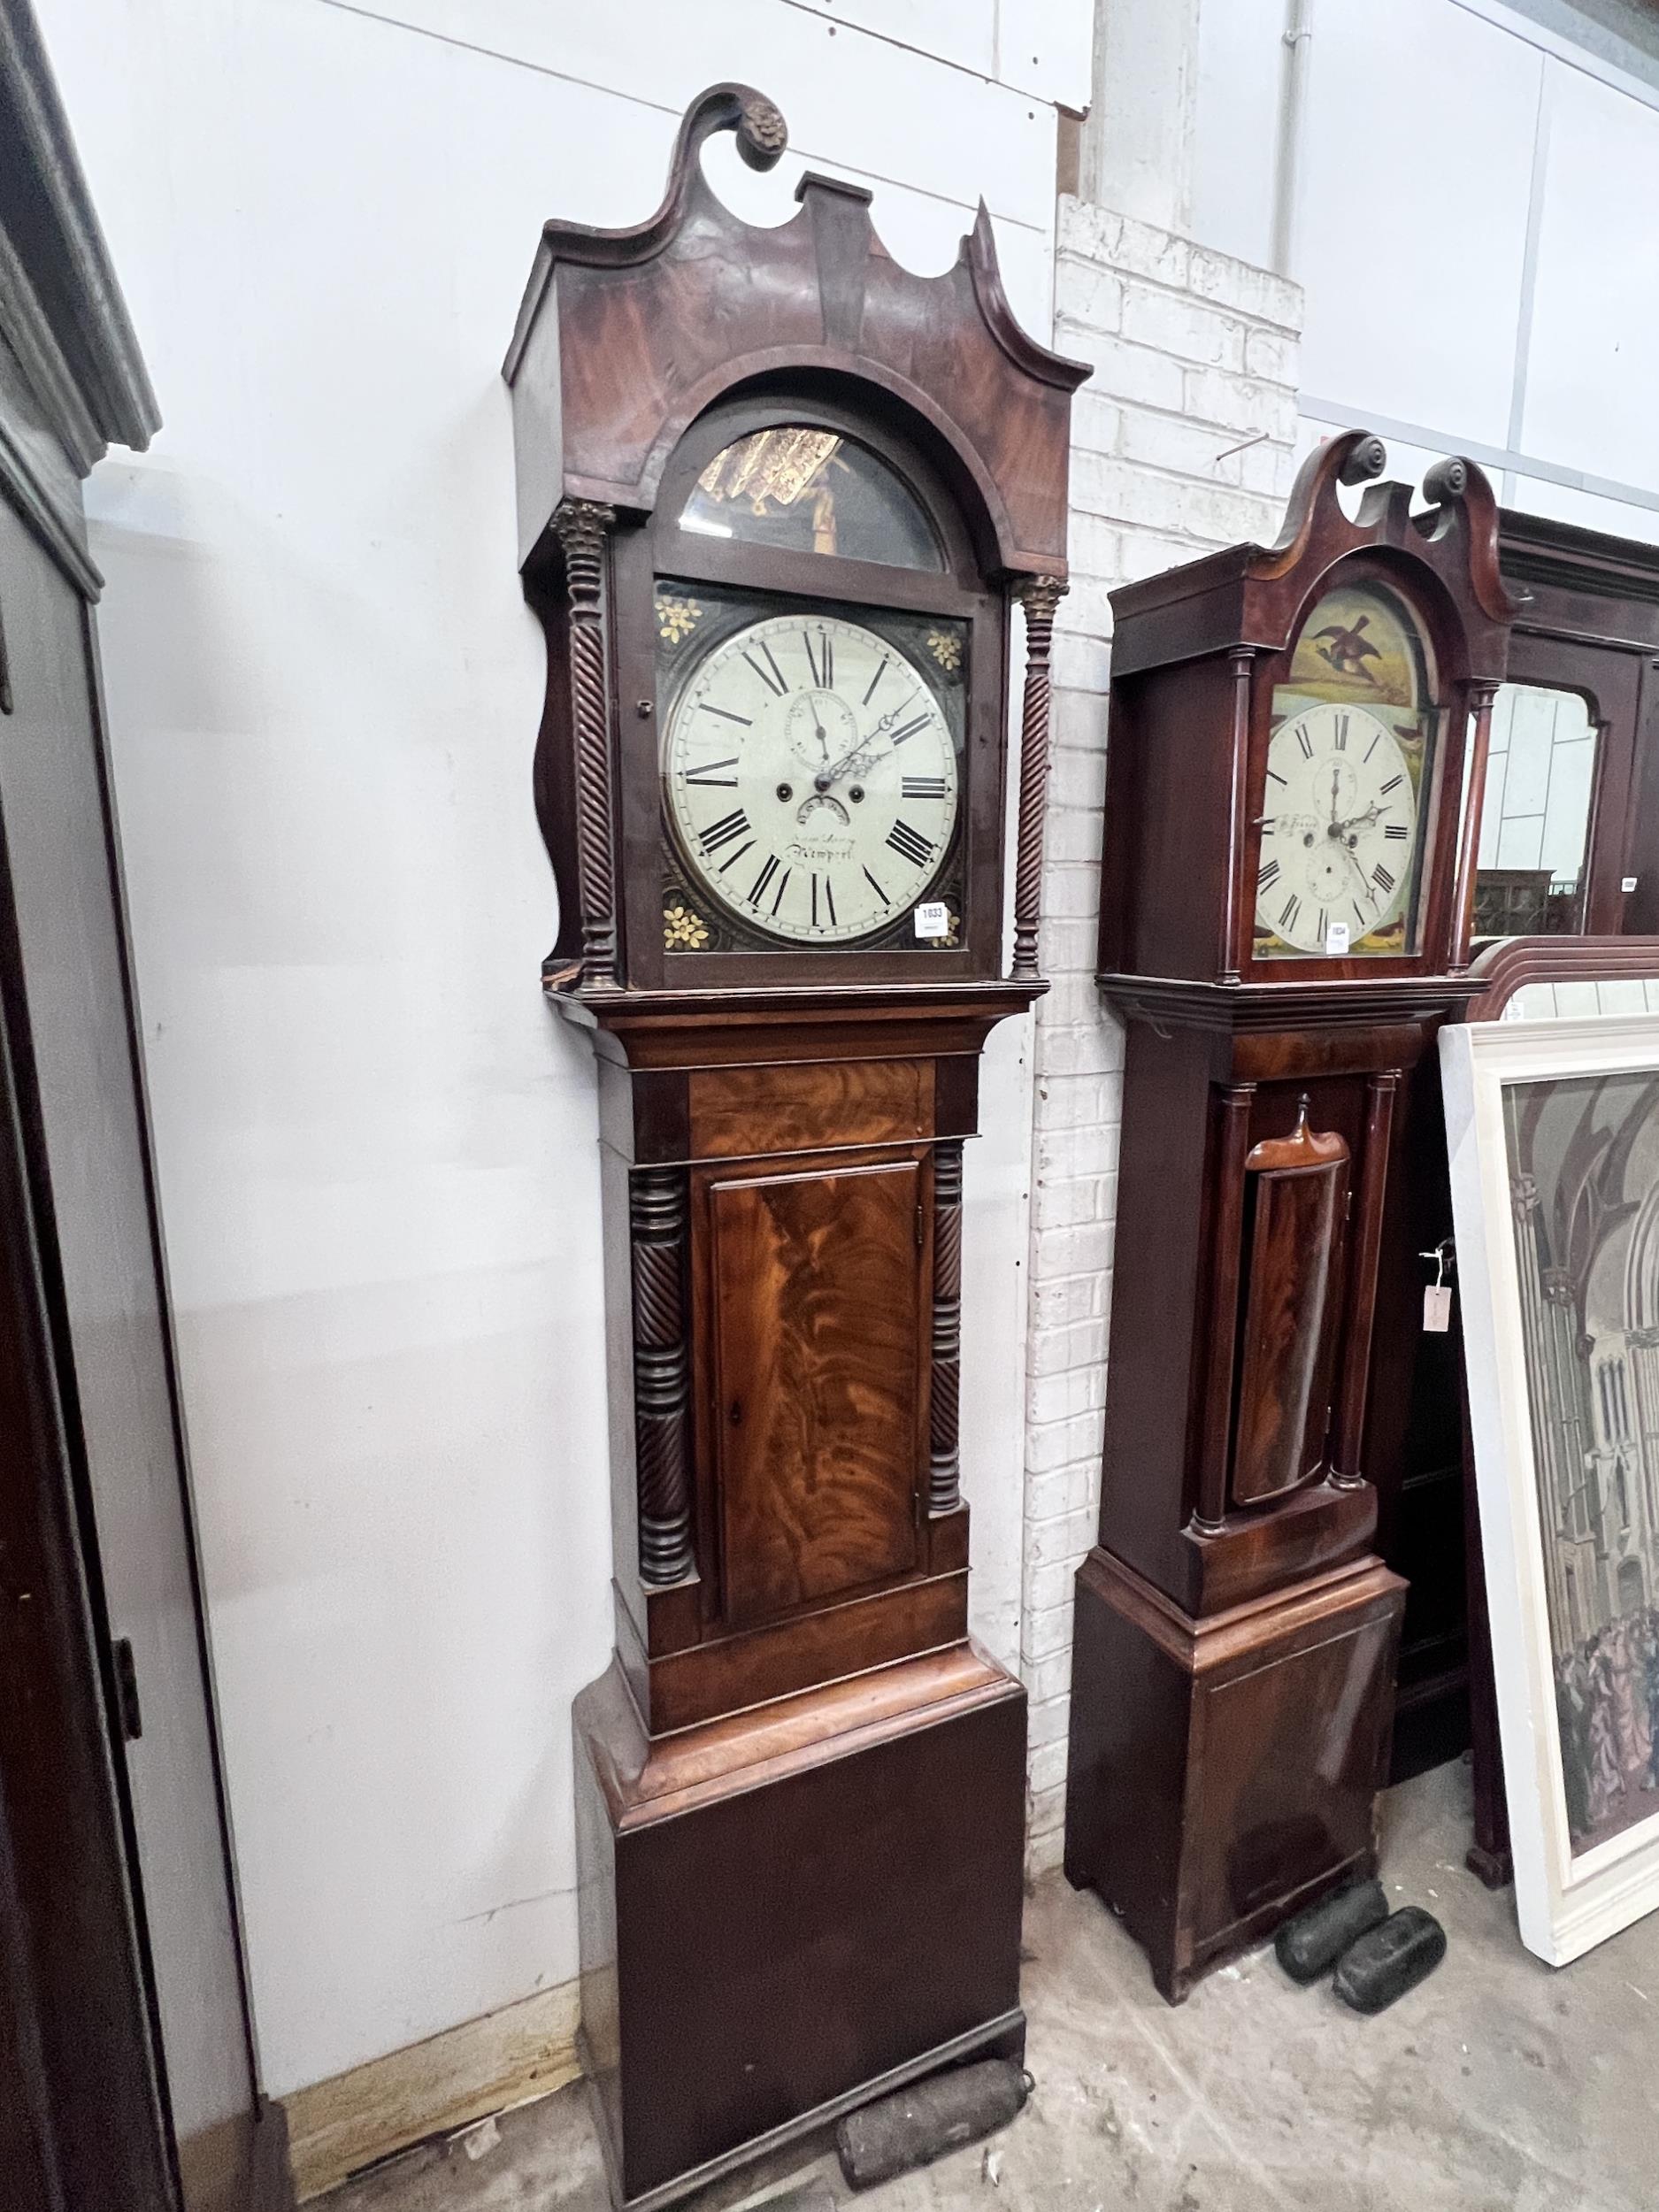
806,490
1535,814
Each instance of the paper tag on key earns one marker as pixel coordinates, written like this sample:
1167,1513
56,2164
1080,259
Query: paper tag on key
1437,1308
1336,940
932,920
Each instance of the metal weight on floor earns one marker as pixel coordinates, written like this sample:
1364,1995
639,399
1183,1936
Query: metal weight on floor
1383,1965
915,2126
1311,1944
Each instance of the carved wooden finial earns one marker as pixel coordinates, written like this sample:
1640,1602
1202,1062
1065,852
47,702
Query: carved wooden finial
762,133
1367,458
1446,481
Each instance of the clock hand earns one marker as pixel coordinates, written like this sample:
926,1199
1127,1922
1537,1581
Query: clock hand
827,776
861,760
891,717
1353,820
1350,855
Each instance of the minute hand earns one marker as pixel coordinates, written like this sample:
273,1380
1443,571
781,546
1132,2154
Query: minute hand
829,774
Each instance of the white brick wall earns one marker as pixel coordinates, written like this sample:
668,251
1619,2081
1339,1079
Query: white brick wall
1192,354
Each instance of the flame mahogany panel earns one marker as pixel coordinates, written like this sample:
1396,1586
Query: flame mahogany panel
741,1111
818,1310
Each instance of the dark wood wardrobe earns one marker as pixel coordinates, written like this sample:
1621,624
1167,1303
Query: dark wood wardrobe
1588,625
128,2077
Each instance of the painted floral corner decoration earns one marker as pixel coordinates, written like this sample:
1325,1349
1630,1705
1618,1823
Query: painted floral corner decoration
683,930
952,937
676,618
946,649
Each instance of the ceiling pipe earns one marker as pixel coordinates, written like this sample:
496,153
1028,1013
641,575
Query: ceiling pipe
1292,112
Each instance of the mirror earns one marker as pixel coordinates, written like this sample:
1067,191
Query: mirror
1535,814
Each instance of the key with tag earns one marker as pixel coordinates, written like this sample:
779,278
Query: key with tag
1436,1295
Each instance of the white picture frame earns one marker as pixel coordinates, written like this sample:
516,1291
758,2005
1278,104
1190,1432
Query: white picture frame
1570,1895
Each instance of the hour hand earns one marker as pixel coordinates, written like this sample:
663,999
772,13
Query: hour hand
860,757
879,729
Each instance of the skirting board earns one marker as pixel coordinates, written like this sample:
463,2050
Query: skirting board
505,2058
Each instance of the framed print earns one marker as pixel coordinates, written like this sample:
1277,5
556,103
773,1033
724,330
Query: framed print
1553,1128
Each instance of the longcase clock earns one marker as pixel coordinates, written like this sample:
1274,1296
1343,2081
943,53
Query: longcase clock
778,499
1285,923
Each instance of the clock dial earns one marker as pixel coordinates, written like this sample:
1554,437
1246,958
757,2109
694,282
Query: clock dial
1339,829
810,779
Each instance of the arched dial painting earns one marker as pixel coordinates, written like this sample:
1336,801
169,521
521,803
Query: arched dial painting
1348,771
812,764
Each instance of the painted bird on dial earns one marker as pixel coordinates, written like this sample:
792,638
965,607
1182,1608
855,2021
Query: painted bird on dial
1348,651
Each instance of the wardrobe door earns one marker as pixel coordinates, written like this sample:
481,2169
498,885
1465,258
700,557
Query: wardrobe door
71,1020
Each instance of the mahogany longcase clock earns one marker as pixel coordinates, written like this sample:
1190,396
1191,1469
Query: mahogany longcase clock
777,499
1285,918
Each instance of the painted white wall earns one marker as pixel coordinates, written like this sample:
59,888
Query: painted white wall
1476,208
377,1146
1595,357
1414,255
1238,85
1138,142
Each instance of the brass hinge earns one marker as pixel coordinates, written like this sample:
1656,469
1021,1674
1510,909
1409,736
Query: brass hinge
126,1691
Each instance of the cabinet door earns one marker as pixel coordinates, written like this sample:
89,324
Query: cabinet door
817,1309
71,1032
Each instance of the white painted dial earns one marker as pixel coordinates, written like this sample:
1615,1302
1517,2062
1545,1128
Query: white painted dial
810,779
1339,829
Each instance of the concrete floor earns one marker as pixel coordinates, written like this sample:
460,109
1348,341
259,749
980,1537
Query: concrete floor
1498,2086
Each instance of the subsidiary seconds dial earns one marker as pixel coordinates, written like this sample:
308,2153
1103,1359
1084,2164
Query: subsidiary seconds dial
810,779
1339,828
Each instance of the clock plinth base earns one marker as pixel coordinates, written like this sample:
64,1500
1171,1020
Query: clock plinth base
1224,1771
794,1910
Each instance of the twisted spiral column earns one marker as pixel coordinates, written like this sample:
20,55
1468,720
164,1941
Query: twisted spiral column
1039,596
581,526
657,1221
944,1468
